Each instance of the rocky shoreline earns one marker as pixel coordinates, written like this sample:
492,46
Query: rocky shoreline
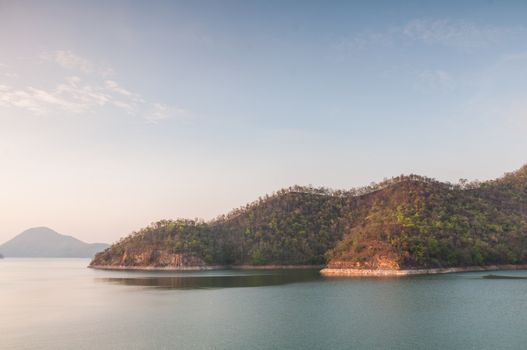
329,272
325,271
204,268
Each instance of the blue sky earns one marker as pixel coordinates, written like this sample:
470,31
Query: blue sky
116,114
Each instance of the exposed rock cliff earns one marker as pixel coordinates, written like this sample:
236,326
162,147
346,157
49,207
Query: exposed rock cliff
148,257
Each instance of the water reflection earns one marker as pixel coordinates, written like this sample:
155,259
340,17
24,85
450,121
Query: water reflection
260,279
502,277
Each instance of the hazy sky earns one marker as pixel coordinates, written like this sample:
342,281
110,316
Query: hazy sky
114,114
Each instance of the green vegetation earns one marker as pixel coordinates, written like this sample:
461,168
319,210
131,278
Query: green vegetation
404,222
294,226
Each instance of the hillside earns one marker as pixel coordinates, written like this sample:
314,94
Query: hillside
407,222
42,242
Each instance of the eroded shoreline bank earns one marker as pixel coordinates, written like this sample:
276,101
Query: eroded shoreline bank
329,272
326,272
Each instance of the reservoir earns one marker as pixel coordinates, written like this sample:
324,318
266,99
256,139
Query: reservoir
60,304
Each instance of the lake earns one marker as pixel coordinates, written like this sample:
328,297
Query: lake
61,304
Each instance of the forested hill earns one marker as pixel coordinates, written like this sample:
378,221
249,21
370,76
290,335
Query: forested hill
405,222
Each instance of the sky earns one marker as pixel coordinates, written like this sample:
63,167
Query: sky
116,114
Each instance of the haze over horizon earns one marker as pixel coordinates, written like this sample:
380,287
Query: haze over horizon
179,109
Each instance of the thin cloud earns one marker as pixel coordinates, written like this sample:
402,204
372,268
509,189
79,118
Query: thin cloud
118,89
10,97
4,71
114,86
454,33
71,96
68,59
368,40
129,108
159,112
78,95
444,32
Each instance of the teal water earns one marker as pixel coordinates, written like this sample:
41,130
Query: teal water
60,304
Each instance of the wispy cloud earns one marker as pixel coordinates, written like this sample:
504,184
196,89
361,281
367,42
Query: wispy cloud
368,39
10,97
72,96
159,112
115,87
459,34
4,71
69,60
449,33
78,95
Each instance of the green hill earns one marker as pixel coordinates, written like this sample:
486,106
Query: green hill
405,222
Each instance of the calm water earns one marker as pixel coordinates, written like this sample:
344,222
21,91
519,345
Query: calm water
60,304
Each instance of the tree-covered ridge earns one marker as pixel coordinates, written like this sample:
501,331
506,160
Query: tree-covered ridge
426,226
406,221
286,228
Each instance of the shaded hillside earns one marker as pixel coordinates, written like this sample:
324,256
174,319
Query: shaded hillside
42,242
291,227
404,222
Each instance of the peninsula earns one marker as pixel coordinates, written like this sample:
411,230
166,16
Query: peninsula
404,225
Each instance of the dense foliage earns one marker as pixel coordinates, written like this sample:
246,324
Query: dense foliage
409,221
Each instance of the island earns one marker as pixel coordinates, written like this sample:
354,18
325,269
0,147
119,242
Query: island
404,225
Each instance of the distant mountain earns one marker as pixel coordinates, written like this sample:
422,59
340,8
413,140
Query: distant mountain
407,222
43,242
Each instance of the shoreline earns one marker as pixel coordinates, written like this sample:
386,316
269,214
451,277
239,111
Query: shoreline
329,272
205,268
324,271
